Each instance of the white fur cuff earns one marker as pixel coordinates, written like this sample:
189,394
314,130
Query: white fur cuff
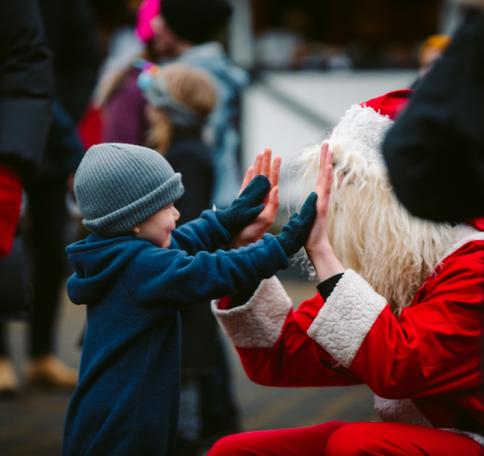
346,318
258,323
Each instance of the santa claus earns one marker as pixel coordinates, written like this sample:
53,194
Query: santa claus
398,308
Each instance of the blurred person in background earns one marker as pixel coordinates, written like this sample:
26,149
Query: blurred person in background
397,308
435,151
186,31
71,37
25,106
180,99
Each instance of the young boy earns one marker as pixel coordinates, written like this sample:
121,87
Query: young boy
134,272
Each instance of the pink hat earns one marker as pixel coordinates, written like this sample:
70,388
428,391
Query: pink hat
148,10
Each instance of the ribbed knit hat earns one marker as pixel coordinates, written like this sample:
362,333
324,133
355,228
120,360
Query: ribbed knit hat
118,186
196,21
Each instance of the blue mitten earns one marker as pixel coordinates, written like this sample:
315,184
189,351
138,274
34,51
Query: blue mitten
295,232
246,207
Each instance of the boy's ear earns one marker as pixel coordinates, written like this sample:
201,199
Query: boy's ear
136,230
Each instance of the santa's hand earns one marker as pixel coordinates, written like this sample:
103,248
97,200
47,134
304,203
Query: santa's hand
264,165
318,247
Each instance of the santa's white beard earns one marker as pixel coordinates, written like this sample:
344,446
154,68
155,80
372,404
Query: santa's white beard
372,233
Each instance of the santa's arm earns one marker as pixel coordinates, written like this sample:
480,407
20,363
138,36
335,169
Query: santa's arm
432,348
272,342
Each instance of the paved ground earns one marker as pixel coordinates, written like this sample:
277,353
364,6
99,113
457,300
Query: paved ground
31,424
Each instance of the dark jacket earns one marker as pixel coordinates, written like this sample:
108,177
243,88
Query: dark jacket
72,37
190,156
127,398
26,85
435,150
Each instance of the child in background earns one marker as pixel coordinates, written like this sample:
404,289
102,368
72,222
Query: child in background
134,273
179,101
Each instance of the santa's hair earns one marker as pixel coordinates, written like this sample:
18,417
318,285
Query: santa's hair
370,231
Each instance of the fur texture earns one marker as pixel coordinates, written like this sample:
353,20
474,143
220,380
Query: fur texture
343,322
370,231
258,323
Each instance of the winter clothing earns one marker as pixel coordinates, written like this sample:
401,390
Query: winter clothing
153,85
125,120
70,29
147,11
438,142
10,200
222,124
26,86
247,206
190,156
194,21
118,186
295,232
127,398
338,438
124,113
428,371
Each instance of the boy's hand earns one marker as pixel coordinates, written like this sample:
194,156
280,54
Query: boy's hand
263,165
295,232
247,206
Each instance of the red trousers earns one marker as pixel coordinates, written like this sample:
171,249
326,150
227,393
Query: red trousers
338,438
10,200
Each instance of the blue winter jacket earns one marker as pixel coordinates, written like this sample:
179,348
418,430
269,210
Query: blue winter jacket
126,401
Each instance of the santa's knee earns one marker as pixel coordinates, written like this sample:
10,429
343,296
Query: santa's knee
352,440
228,446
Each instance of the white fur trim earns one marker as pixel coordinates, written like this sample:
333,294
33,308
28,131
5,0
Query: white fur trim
399,411
405,411
463,235
472,435
258,323
361,131
346,318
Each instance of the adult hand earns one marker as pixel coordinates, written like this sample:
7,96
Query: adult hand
263,165
318,247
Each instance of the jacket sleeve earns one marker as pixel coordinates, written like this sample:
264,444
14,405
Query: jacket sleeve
26,85
174,276
205,233
432,348
272,340
436,146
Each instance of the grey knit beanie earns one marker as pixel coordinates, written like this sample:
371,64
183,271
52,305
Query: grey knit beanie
118,186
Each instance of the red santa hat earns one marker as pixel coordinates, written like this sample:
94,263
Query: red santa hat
363,126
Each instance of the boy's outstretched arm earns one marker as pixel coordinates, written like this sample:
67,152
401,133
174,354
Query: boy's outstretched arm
173,275
215,229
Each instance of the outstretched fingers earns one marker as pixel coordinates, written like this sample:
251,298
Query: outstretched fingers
325,178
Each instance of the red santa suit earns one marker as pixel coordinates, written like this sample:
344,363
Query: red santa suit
423,364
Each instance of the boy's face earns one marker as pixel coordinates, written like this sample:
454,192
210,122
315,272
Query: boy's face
159,226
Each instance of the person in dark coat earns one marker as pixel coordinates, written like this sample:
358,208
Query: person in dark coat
26,90
435,150
134,272
71,37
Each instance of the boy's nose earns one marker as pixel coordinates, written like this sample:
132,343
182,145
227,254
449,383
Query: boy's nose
177,213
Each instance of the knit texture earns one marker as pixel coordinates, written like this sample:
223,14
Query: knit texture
196,21
118,186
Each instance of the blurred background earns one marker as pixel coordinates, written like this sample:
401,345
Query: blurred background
307,61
